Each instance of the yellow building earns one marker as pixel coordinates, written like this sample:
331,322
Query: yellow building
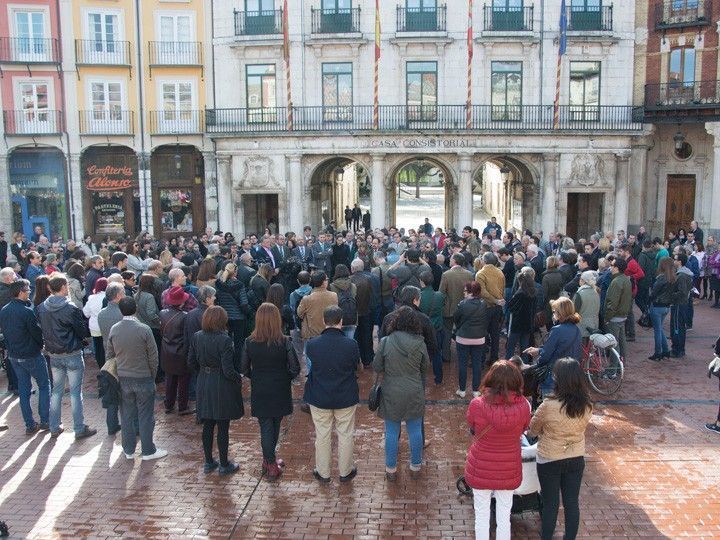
139,100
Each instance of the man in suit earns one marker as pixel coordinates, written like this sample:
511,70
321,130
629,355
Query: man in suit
245,270
266,254
305,255
356,216
280,250
537,261
452,285
321,251
3,250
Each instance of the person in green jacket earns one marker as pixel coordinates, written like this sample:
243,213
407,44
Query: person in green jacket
618,303
431,304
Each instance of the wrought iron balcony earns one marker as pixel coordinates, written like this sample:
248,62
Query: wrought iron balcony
679,95
29,50
399,118
508,19
682,13
422,19
33,122
174,53
335,21
590,18
107,122
95,52
177,122
257,23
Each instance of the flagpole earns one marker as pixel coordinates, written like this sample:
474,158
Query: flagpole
468,104
376,98
286,54
561,51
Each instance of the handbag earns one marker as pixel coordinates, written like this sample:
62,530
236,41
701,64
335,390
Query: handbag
533,377
375,394
644,320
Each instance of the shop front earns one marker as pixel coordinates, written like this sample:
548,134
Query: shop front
112,201
178,191
39,192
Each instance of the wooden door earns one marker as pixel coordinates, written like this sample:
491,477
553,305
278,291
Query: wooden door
680,205
571,225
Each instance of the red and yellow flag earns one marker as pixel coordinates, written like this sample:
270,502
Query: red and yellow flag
468,104
286,56
376,100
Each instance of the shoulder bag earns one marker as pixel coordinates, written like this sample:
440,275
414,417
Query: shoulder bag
376,389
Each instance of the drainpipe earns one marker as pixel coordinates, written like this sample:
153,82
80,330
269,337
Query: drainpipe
144,158
214,105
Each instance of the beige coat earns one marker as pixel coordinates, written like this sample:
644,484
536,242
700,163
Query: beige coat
560,437
492,281
311,309
452,285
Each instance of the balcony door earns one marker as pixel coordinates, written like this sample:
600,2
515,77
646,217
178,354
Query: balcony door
421,91
337,92
260,90
259,17
681,76
336,16
34,116
421,15
31,43
176,39
104,33
107,107
507,14
506,94
586,14
584,91
178,113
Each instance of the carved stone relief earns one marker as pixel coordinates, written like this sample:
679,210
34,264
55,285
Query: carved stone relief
257,173
587,170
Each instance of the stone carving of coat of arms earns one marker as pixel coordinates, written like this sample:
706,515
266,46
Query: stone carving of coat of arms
257,173
587,170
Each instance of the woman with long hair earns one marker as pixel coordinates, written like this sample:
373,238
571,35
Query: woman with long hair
497,419
92,308
260,282
269,360
471,320
135,261
206,273
276,297
522,313
42,290
560,424
219,386
76,274
232,296
661,298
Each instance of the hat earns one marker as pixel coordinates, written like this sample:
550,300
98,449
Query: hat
177,296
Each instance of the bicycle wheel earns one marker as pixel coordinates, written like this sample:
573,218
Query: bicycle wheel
604,370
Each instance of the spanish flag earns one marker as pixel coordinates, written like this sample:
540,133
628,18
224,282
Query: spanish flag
376,102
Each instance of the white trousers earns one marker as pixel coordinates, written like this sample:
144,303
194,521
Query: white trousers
503,505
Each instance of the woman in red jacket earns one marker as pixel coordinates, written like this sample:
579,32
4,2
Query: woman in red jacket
494,463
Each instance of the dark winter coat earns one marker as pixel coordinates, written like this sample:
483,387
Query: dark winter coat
232,296
108,389
23,336
270,368
219,383
472,318
332,381
64,326
522,312
173,353
260,287
552,283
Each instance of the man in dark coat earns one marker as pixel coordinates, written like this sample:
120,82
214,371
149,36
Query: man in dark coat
3,250
193,323
410,296
332,392
363,299
356,216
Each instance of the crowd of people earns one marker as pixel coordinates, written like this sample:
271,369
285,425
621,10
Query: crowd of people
200,314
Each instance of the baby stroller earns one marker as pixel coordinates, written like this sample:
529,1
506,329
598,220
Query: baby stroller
526,498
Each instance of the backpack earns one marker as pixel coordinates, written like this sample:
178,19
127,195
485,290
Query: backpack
347,303
413,280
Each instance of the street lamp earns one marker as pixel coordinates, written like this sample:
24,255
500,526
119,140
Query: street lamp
679,139
505,173
178,160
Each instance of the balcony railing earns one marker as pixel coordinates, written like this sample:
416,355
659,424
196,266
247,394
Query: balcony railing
177,122
257,23
679,95
173,53
104,122
421,19
508,19
102,53
682,13
391,118
33,122
335,21
590,19
29,50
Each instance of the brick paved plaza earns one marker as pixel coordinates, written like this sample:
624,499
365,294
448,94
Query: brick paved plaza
652,470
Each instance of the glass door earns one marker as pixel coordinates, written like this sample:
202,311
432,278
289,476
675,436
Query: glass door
421,15
507,15
586,14
103,32
259,17
30,33
176,40
336,16
107,107
177,115
35,116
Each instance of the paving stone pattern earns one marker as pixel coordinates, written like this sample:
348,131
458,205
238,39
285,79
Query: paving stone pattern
652,469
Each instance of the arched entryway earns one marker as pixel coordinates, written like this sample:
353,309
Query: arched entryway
336,185
178,190
109,175
504,188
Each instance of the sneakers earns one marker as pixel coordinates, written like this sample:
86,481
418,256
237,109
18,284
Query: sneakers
230,468
112,432
159,453
55,434
656,357
210,467
349,476
460,393
43,426
390,476
186,412
32,430
476,393
129,456
713,427
85,433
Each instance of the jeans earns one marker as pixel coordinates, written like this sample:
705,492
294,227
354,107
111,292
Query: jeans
223,440
269,435
437,359
344,420
657,316
630,324
493,332
27,369
562,476
678,327
363,336
617,329
513,339
392,433
12,377
349,331
503,507
137,409
176,386
299,346
71,367
477,354
448,324
642,298
690,312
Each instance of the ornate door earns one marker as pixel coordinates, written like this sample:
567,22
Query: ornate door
680,206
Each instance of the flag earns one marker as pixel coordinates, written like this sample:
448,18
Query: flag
468,104
376,102
286,56
562,47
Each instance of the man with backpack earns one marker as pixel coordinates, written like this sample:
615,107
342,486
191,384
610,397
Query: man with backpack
364,300
296,297
406,271
346,292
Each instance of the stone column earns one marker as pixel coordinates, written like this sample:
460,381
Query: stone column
622,160
295,195
549,194
638,186
211,200
225,193
77,216
465,192
378,192
711,211
5,205
145,188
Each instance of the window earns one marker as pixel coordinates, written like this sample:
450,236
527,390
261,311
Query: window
176,210
178,114
585,5
334,6
421,5
421,91
504,5
506,90
682,66
34,104
683,5
177,36
337,92
260,93
30,34
103,31
106,104
585,91
259,5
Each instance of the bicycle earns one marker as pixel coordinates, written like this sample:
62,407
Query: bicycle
602,363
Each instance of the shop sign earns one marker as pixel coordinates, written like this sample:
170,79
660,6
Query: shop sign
109,218
109,178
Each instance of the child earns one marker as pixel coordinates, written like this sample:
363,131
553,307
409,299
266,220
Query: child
714,369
